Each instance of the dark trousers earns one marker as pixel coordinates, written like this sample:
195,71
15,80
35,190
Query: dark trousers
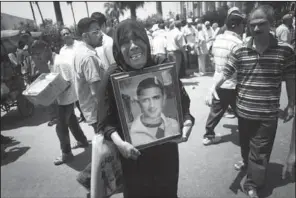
78,106
218,108
177,57
256,142
66,120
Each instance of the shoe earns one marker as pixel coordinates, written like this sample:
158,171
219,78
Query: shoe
64,158
83,181
52,122
81,119
228,115
80,145
211,140
251,192
240,166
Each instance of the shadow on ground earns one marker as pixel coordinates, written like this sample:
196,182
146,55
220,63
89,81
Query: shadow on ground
273,180
13,119
196,83
81,160
233,137
13,154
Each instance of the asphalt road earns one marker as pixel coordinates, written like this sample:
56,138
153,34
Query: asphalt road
205,171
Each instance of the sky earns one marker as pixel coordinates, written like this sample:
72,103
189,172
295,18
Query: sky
22,9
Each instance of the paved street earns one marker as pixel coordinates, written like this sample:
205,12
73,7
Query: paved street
205,172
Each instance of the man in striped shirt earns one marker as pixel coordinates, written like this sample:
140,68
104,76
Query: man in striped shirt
261,65
221,49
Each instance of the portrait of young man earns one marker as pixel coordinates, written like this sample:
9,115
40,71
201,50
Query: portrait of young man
152,124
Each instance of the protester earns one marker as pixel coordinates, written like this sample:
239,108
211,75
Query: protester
259,91
141,177
43,59
67,53
283,32
209,34
176,48
201,50
216,29
104,52
159,42
222,47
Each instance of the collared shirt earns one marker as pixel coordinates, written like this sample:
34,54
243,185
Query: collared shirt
105,52
190,34
222,47
283,34
159,42
67,52
175,39
140,134
87,69
259,77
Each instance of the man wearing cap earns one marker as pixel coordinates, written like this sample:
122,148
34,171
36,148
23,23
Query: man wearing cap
261,65
221,49
283,32
176,48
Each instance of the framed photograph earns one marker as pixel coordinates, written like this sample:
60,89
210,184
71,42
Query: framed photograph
149,105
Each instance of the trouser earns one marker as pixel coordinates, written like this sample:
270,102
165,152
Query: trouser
202,63
218,108
67,119
177,57
78,106
256,142
53,110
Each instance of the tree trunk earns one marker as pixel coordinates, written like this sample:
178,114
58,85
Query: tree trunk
33,13
159,8
39,12
58,13
73,16
133,12
87,8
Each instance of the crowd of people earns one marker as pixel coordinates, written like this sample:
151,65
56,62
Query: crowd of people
249,70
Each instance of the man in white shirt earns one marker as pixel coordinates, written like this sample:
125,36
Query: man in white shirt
67,53
175,47
283,32
104,52
209,34
159,42
216,29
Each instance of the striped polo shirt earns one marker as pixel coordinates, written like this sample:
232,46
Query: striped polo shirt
259,77
221,49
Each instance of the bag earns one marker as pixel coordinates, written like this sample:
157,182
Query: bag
106,171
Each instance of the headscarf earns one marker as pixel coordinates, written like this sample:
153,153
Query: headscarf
127,30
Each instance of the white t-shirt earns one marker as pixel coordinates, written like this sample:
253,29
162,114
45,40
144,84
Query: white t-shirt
159,42
190,34
105,52
69,96
87,69
175,35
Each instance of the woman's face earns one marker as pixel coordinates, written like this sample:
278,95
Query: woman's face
135,53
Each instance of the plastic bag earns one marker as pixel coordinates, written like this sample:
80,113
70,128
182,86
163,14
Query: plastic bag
106,174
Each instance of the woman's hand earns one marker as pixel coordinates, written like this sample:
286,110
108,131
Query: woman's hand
128,151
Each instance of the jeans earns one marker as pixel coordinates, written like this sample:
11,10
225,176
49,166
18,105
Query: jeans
256,142
177,57
218,108
66,120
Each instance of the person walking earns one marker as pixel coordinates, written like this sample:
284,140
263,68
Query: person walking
201,49
222,47
261,64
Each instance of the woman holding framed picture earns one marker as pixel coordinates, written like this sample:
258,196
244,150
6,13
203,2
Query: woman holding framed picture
153,171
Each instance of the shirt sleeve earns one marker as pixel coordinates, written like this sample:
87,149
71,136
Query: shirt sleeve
284,36
232,63
289,68
91,69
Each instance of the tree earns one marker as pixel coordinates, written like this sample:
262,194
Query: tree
113,10
70,3
131,5
58,13
36,2
33,13
159,8
87,8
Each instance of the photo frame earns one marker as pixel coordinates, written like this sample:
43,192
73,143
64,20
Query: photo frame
149,105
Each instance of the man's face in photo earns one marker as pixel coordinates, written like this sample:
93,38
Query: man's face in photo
151,102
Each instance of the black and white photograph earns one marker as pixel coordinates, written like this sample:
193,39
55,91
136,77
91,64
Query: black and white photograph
150,105
148,99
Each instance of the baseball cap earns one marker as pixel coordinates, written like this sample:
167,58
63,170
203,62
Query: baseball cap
84,23
234,19
189,20
287,16
207,23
